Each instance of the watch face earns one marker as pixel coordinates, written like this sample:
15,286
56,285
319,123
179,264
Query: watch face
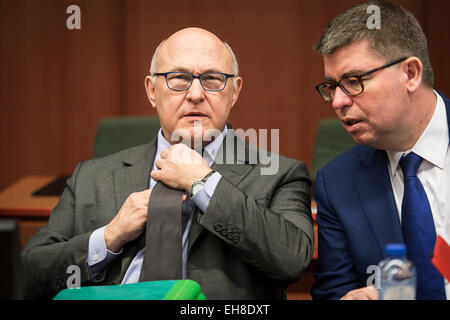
197,187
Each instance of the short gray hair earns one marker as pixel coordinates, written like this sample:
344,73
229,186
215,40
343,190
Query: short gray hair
234,66
153,70
400,34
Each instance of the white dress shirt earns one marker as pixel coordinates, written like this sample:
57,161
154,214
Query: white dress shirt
434,171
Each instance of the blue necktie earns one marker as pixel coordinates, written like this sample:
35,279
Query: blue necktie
419,231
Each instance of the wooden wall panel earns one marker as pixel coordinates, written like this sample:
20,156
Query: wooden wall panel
55,84
438,32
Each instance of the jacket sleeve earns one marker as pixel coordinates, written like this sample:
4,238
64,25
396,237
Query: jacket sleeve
49,256
336,273
274,235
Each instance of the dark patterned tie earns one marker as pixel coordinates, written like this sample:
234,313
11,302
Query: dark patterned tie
419,231
163,256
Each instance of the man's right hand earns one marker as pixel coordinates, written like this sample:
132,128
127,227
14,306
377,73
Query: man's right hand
129,222
366,293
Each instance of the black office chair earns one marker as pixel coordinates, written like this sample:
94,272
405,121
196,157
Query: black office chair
9,263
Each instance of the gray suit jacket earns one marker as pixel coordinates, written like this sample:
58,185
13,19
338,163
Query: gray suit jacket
255,238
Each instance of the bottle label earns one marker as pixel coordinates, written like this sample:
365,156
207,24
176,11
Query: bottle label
399,293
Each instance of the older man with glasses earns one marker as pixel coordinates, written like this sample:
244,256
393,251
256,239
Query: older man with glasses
393,186
239,233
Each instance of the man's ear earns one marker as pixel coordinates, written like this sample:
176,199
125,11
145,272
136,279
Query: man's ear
413,69
237,89
150,89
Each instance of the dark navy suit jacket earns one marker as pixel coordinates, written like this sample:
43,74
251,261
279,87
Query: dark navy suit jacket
357,217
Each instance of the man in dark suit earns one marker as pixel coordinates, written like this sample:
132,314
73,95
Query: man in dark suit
380,84
248,229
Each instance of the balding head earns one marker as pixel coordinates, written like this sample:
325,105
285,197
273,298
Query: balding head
195,40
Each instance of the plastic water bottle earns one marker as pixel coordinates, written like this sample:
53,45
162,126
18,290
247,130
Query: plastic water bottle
398,274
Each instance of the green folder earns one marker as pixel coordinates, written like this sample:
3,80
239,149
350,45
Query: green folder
150,290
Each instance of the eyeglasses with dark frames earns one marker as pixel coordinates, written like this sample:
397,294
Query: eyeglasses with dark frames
181,81
351,85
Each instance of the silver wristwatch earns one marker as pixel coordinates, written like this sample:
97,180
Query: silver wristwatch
200,184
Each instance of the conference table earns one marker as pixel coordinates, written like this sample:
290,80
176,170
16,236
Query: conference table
18,203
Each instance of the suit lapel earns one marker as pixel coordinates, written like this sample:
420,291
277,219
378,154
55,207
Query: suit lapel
232,159
377,199
233,172
134,176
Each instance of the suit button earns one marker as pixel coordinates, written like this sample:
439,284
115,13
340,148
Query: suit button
218,227
235,239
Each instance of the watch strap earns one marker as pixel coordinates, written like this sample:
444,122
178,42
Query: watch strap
203,180
208,175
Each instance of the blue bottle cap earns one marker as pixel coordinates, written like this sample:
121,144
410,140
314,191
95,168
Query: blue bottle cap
396,250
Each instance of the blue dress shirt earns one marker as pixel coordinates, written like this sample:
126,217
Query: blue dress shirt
99,256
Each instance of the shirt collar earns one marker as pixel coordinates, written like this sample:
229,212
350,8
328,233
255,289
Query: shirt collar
209,152
211,149
432,144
